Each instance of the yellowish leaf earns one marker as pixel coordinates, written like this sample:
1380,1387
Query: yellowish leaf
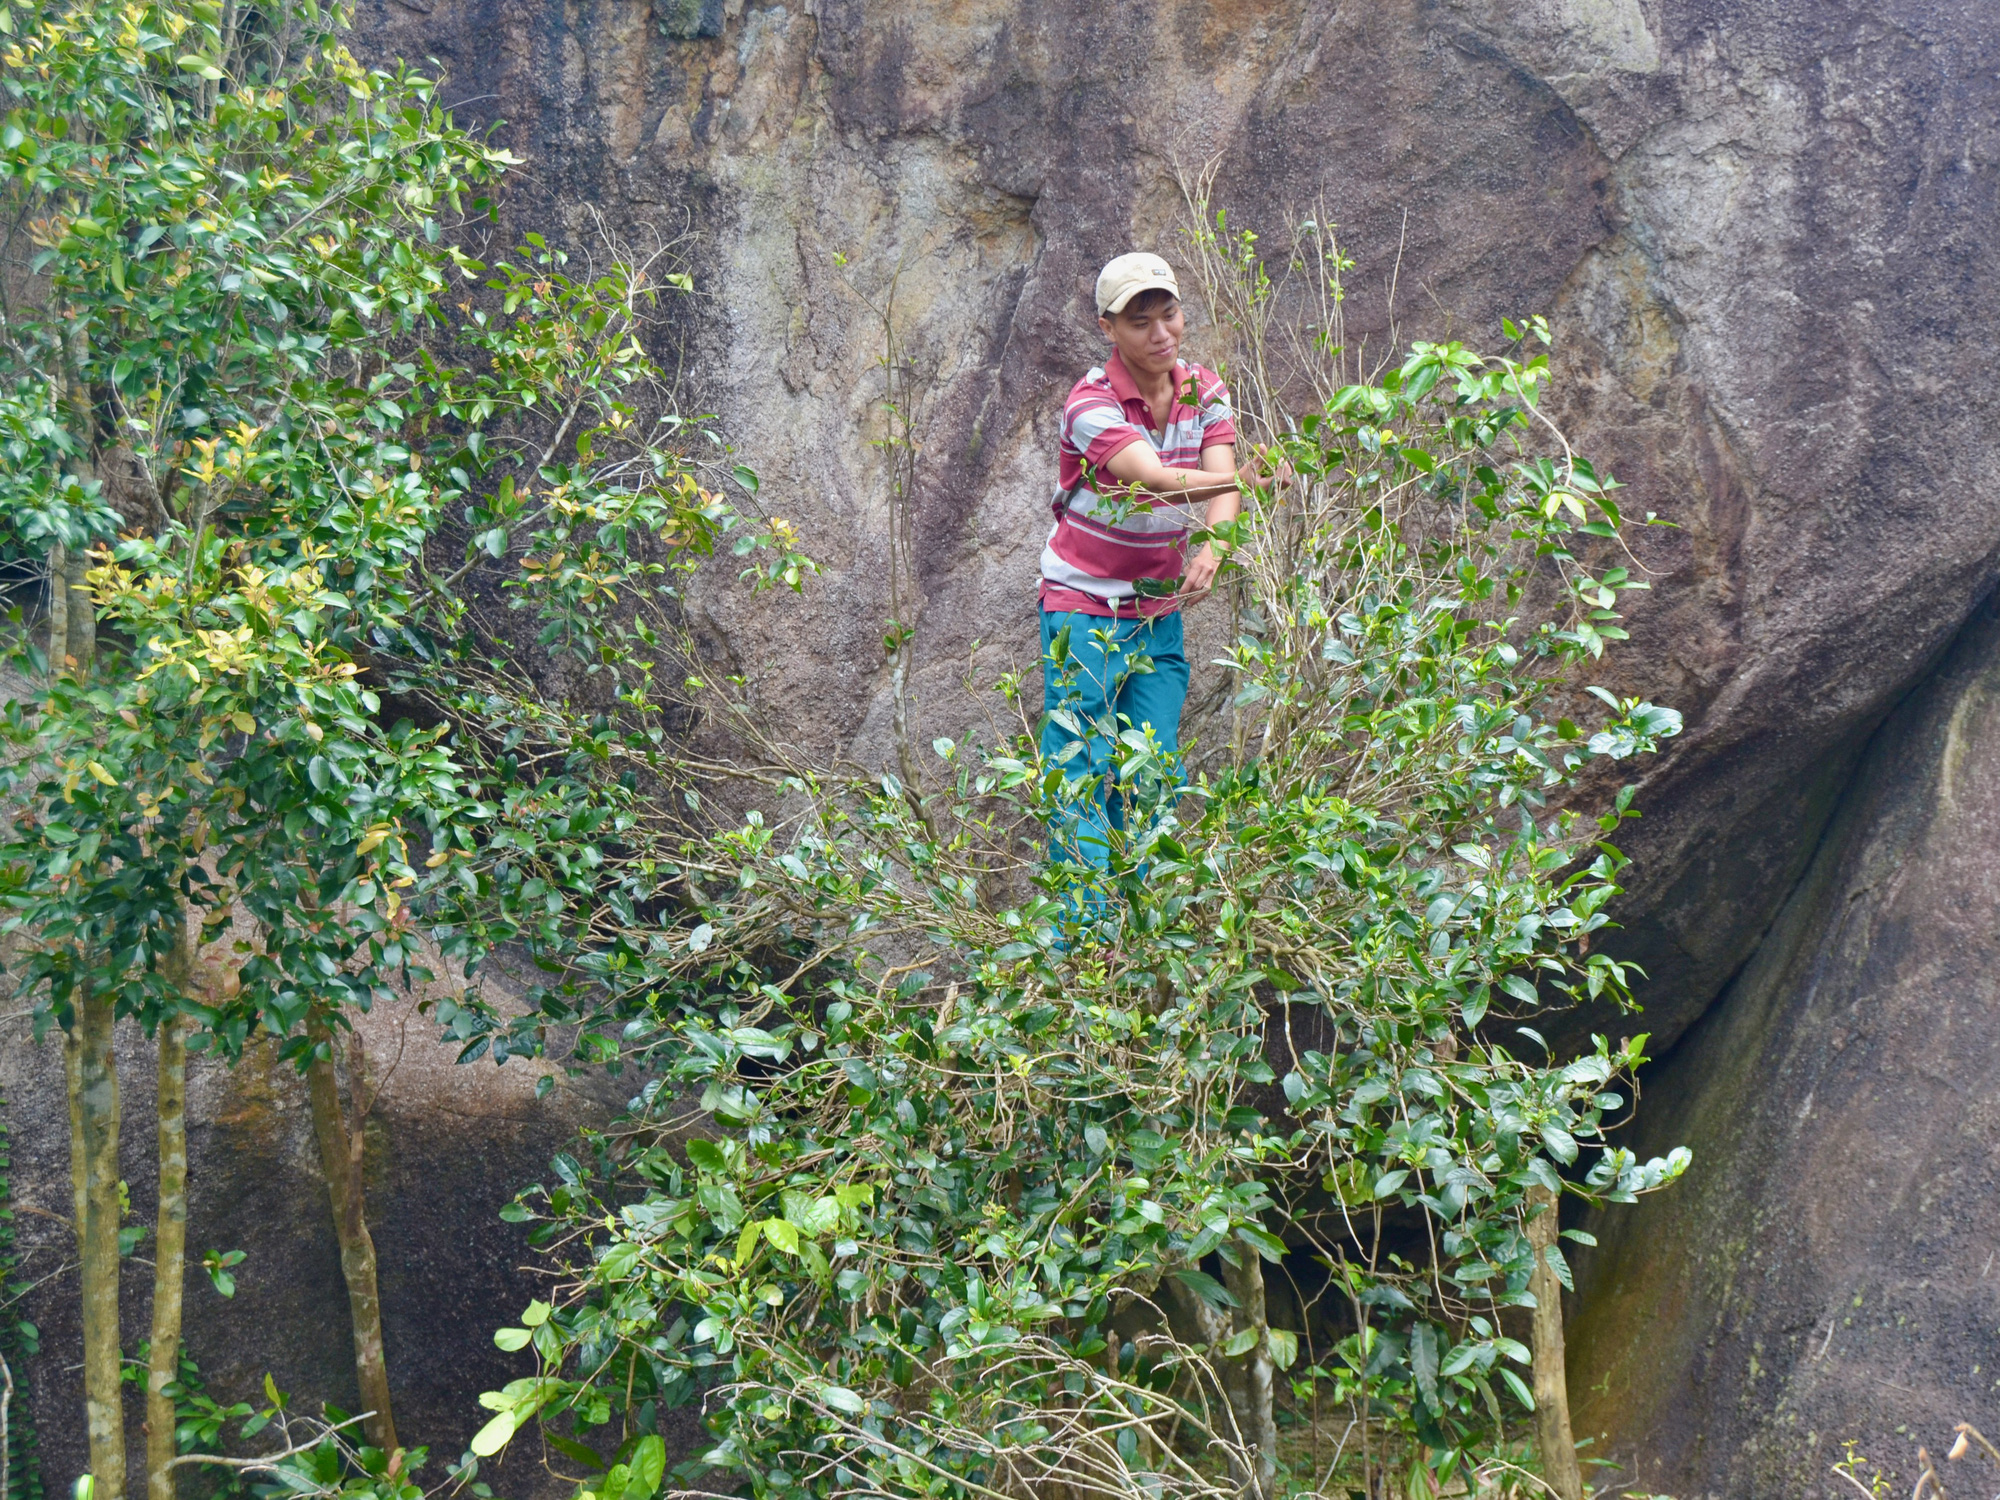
101,774
243,722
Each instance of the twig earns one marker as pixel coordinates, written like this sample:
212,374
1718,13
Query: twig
6,1400
264,1461
1929,1476
1967,1430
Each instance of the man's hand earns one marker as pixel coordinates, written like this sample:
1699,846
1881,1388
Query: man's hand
1200,575
1267,466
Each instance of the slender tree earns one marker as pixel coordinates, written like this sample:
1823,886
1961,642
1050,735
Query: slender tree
248,299
340,1128
169,1226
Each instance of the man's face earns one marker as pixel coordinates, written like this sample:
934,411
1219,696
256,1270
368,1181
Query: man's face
1147,332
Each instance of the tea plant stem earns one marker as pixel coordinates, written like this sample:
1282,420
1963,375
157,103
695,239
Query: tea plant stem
1552,1429
6,1401
265,1460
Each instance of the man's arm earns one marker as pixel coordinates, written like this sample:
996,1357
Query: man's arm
1225,505
1140,467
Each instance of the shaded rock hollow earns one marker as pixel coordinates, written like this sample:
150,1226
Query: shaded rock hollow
1765,234
1830,1272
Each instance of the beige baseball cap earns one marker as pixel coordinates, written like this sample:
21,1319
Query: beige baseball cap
1127,276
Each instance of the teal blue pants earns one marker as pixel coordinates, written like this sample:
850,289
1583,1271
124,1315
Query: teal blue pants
1120,674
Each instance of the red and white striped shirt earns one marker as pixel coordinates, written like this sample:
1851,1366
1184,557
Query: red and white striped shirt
1101,546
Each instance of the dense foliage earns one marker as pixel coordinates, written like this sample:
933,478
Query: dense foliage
250,306
944,1181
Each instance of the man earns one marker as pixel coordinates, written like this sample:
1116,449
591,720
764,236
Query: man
1147,455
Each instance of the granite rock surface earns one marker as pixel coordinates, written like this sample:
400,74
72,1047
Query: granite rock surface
1829,1272
1764,232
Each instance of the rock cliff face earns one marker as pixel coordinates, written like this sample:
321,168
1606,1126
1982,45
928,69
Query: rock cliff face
1764,231
1766,235
1829,1271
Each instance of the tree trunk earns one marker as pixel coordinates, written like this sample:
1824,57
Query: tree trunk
89,1060
169,1244
81,627
339,1130
1252,1377
1247,1381
58,608
1552,1429
93,1075
72,620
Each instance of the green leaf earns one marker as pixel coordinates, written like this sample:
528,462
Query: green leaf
495,1435
813,1217
511,1339
1424,1363
746,476
707,1155
1284,1347
1553,1257
1262,1241
570,1448
1206,1287
648,1463
1240,1343
840,1398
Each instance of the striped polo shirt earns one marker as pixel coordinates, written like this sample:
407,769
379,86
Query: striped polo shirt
1101,545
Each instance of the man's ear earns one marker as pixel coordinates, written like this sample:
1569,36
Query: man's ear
1105,324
